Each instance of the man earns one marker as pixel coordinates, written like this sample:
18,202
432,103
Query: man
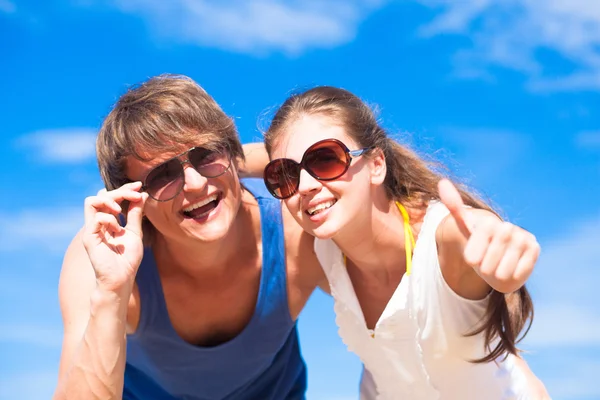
196,293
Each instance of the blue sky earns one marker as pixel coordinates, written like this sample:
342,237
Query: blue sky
505,92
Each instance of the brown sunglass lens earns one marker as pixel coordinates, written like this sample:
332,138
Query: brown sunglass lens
328,161
281,178
163,181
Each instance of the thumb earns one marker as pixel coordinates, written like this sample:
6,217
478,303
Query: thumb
452,199
135,214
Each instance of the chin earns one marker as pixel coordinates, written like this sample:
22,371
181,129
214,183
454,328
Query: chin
217,230
213,229
323,232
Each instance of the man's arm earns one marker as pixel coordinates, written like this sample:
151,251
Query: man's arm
256,160
92,362
96,283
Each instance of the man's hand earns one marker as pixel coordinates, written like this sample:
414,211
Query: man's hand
115,252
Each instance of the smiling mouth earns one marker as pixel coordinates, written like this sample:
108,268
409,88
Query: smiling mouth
320,207
201,209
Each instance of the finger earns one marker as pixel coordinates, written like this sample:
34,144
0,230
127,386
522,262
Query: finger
507,267
131,187
96,204
105,223
479,242
527,261
500,241
452,199
135,214
129,191
135,185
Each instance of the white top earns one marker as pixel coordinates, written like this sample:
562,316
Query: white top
418,350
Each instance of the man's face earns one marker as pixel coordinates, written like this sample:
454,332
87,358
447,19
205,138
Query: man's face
197,193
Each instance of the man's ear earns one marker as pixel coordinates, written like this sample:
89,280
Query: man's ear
377,166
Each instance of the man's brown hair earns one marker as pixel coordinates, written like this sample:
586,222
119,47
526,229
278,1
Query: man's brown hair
163,114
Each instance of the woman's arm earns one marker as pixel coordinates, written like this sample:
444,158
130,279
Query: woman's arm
478,251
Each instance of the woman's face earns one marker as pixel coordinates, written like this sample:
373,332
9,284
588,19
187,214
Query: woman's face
325,208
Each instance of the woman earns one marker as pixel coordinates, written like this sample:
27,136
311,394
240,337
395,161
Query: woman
428,282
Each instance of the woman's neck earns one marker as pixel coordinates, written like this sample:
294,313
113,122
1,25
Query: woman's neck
375,242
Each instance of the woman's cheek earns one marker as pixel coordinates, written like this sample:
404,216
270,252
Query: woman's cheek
293,206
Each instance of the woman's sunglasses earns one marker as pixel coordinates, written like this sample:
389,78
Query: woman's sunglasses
325,160
165,181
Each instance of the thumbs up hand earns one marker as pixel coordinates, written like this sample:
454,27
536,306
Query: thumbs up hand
501,253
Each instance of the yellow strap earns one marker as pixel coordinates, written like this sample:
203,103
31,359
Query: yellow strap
409,239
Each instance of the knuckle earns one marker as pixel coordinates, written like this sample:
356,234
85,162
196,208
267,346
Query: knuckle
490,225
529,242
533,240
505,231
537,247
99,218
504,275
519,240
507,227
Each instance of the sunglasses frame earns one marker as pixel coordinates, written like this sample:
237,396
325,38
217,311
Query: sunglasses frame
350,155
182,162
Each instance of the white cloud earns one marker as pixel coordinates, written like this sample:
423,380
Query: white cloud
588,139
7,7
255,27
72,145
505,33
512,33
43,229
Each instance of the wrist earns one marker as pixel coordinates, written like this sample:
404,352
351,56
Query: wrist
110,297
115,287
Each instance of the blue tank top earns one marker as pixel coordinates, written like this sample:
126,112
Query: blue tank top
263,362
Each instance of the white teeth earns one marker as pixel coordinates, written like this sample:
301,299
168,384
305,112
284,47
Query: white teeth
320,207
201,203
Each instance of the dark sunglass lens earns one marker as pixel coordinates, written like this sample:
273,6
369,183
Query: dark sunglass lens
326,161
164,181
282,177
208,163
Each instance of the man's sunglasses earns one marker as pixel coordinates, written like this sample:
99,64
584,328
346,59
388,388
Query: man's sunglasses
325,160
165,181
